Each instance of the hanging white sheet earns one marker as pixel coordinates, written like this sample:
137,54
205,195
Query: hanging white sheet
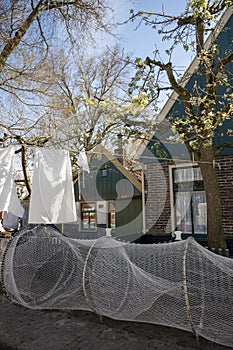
82,161
52,197
9,200
10,221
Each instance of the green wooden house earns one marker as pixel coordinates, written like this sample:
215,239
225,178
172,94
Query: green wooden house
109,196
171,172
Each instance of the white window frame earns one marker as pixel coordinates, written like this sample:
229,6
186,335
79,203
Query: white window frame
171,188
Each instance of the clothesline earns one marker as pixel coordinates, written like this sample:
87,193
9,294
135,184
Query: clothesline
125,157
52,197
84,163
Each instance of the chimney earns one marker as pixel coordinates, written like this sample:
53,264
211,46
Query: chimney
119,151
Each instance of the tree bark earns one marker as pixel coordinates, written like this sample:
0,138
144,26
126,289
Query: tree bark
25,171
215,234
14,42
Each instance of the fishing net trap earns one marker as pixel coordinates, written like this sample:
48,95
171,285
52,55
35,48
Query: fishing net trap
179,284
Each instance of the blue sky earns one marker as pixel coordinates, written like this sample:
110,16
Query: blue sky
141,41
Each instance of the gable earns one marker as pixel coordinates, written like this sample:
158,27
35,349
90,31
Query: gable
174,107
225,45
107,180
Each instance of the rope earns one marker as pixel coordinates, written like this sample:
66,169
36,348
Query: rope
185,289
88,301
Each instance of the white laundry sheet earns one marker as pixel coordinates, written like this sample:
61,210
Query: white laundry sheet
9,200
10,221
82,161
52,197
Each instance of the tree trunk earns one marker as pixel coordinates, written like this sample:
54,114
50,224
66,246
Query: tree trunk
215,234
25,171
14,42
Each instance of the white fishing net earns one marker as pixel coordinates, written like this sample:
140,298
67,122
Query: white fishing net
179,284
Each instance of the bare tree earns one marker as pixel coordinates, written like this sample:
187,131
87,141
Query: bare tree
35,23
78,102
89,101
28,30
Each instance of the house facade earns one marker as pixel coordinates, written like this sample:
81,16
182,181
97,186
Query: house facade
109,196
175,191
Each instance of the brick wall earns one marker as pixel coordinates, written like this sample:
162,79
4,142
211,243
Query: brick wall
224,167
158,211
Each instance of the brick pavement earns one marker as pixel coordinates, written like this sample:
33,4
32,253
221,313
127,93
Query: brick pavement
26,329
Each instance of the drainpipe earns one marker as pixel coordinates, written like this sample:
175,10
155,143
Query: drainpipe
143,167
143,204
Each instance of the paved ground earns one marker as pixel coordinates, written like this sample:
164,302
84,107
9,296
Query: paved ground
26,329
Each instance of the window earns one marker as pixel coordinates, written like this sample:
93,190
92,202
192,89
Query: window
112,214
190,201
98,214
104,172
88,216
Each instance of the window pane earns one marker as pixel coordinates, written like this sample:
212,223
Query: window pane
88,216
183,211
187,174
112,212
92,221
199,212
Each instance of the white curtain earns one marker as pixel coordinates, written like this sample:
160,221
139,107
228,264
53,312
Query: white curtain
9,200
183,211
52,197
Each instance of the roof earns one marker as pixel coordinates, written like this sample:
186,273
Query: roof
128,170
